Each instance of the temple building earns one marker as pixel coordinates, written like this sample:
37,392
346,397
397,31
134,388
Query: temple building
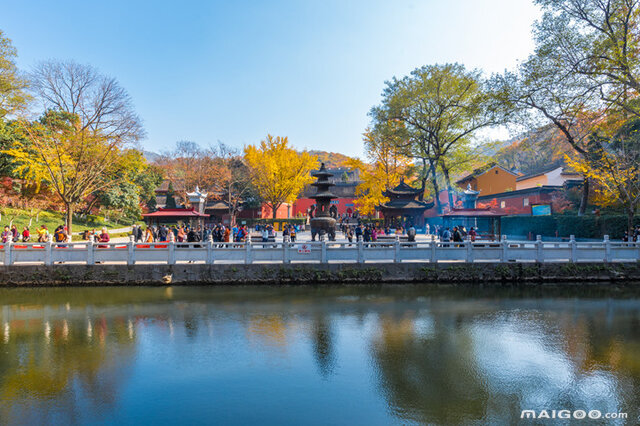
404,206
193,216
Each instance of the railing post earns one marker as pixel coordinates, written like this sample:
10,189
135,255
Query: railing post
469,245
285,252
505,247
360,251
539,251
433,249
90,252
323,252
131,254
574,249
210,251
607,249
8,258
172,252
48,248
396,254
247,253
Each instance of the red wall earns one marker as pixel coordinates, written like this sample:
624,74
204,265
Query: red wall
280,214
515,204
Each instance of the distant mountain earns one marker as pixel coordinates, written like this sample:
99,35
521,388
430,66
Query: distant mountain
150,156
331,160
536,151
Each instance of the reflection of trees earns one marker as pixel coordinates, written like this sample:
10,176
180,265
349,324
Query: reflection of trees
268,330
482,367
323,351
74,370
427,378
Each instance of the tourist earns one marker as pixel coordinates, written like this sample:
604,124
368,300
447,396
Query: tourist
104,236
473,234
374,234
366,234
180,237
446,235
26,235
148,235
192,236
285,234
265,235
43,234
227,234
457,235
293,233
411,234
163,233
15,235
6,234
358,232
426,229
59,236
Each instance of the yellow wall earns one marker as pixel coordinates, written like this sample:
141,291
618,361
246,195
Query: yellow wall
532,182
494,181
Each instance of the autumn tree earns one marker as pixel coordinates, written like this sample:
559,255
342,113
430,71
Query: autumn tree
278,171
72,162
597,41
612,164
233,180
442,108
12,86
189,166
387,164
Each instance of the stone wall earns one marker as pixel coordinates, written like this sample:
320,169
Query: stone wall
443,273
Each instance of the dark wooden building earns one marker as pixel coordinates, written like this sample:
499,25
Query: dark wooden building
404,207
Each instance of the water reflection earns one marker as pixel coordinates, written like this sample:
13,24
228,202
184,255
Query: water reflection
336,354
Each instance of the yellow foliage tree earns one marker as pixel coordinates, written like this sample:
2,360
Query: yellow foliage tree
278,171
72,162
388,165
612,164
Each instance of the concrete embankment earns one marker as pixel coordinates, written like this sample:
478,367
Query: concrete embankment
442,273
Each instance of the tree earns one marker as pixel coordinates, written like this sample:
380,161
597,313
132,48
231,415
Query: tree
387,165
12,86
442,107
189,166
612,163
136,187
72,161
102,106
278,171
233,180
586,64
599,42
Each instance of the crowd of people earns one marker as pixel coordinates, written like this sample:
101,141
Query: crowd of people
634,236
184,233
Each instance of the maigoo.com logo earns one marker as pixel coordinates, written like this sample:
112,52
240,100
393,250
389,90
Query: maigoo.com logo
568,414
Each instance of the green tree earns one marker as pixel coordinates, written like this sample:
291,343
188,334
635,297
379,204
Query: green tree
442,108
12,86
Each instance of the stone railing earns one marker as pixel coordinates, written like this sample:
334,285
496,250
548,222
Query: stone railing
319,252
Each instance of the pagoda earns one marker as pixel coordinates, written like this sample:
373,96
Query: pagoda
323,223
404,206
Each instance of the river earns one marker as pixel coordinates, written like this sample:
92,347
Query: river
315,354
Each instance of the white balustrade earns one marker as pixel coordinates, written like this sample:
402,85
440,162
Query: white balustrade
394,251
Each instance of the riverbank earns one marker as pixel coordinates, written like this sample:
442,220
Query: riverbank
286,274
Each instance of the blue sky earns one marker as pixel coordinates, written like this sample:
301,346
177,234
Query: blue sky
236,70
